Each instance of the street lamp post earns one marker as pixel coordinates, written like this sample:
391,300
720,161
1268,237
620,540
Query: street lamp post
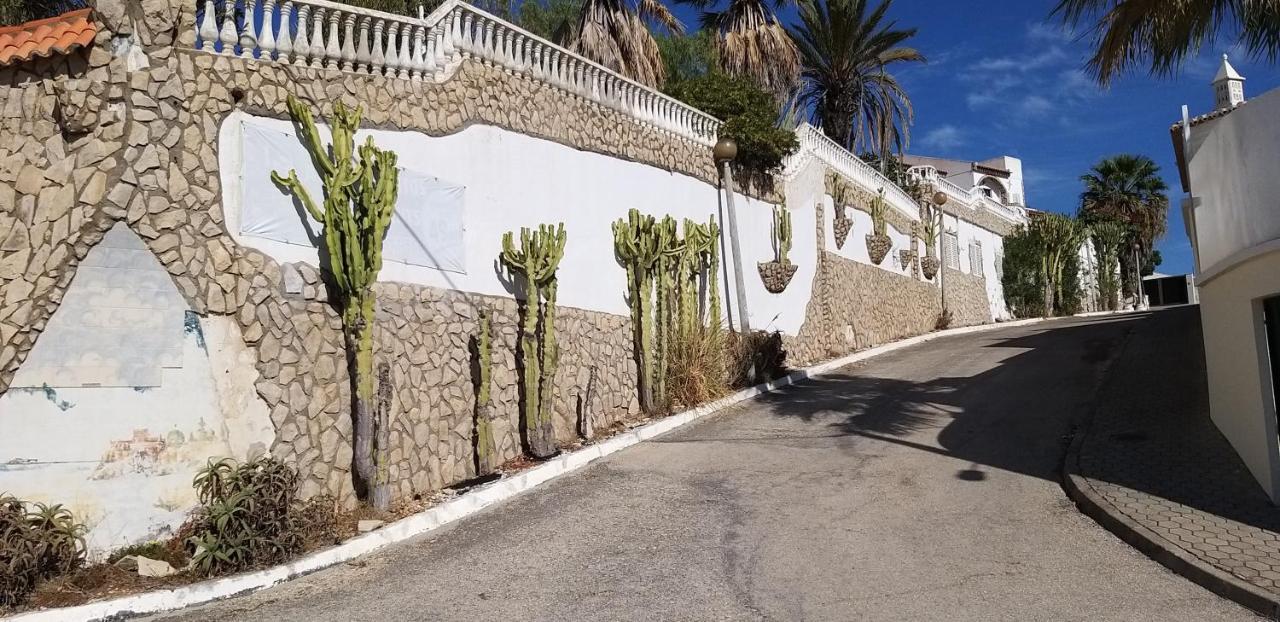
939,199
725,151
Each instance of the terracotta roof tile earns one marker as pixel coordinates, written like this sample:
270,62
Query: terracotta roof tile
45,37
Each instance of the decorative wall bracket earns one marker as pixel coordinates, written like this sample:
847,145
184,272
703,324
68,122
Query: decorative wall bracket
776,276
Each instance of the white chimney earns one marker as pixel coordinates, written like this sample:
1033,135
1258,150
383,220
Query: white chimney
1228,86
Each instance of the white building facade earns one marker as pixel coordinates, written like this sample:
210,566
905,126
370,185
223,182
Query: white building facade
1227,160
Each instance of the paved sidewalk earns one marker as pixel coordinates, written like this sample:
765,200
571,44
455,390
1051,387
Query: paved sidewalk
1153,468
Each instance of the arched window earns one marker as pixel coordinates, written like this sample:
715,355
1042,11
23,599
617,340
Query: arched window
995,189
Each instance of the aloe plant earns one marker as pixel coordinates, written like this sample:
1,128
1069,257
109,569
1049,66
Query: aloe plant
359,196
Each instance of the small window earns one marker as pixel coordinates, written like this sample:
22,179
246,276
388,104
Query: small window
975,258
999,266
951,250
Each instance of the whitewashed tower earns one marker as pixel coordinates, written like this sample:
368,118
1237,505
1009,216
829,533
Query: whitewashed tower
1228,86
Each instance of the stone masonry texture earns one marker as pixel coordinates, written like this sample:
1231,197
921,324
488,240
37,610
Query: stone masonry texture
98,137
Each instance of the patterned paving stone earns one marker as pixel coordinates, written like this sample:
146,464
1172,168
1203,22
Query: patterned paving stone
1155,455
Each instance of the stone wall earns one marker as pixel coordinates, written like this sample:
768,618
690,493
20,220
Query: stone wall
967,299
127,131
96,137
857,306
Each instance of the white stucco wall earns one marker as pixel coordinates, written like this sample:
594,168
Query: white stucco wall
1231,162
1241,398
513,180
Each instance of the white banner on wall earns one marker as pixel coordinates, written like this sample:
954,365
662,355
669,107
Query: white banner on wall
427,226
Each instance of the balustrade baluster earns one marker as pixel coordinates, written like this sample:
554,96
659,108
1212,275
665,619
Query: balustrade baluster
419,64
377,59
208,27
316,52
348,54
467,42
301,45
487,53
284,42
228,35
249,34
362,49
406,54
333,49
393,53
434,41
453,38
267,37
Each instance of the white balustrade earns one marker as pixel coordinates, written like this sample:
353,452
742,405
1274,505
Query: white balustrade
973,198
325,34
814,143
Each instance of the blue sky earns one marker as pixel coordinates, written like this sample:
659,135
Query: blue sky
1004,80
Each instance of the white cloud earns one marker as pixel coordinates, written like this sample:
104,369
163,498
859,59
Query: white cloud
945,137
1035,106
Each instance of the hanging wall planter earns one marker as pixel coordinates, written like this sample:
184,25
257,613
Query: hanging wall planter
841,194
878,241
929,267
878,247
906,257
777,274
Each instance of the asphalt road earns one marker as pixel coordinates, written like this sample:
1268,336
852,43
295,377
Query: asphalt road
922,485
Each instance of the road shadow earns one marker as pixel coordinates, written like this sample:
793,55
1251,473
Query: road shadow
1011,411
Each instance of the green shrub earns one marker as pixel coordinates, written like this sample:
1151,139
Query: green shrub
750,117
249,516
36,542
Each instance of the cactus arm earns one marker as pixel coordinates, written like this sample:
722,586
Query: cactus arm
294,185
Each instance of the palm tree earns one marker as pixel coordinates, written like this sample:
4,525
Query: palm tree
1165,32
845,53
615,34
1128,189
751,42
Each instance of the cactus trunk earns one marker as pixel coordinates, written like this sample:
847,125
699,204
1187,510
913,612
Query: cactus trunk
485,451
537,259
359,197
543,436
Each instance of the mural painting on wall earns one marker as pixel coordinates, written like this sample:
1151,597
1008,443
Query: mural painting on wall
123,397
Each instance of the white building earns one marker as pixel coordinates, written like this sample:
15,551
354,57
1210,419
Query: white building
1228,161
998,178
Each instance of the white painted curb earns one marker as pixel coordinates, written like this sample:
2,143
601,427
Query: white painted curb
462,506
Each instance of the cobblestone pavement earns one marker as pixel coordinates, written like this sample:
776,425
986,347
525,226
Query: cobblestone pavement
1153,453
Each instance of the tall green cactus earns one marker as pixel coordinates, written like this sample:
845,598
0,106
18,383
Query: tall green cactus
1057,236
654,253
930,225
1108,237
359,196
536,260
485,450
879,214
670,249
636,247
782,232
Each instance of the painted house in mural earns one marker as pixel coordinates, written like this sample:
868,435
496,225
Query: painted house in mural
1227,159
160,298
